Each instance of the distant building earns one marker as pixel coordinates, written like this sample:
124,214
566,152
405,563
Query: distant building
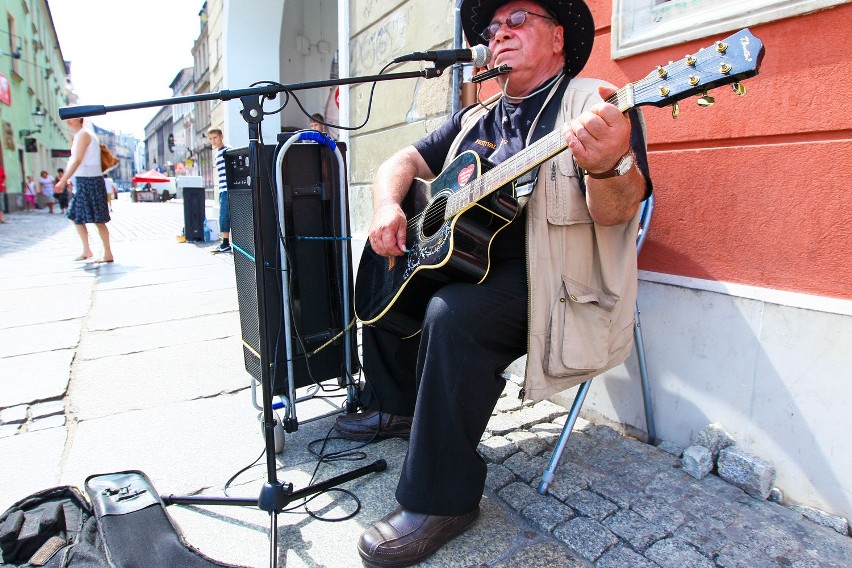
159,156
124,146
34,83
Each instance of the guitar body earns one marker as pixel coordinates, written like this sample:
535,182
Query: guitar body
392,292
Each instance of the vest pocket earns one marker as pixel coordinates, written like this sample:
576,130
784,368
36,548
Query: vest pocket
566,203
579,334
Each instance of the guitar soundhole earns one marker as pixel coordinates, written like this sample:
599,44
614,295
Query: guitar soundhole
433,217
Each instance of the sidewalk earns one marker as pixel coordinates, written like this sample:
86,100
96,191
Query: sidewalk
138,365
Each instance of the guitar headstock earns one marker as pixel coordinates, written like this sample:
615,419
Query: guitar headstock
726,62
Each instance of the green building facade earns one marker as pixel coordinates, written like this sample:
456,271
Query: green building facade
33,86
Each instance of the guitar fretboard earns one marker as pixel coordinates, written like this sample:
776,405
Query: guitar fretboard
522,162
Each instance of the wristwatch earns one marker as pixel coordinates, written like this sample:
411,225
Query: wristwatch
623,166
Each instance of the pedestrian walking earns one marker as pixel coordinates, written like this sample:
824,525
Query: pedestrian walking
89,204
48,189
63,195
29,193
110,190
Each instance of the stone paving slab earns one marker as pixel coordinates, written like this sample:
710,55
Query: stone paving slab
40,337
182,446
30,462
36,376
49,303
112,385
162,302
146,337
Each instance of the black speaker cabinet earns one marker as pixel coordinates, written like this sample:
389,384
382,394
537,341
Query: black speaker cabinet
313,246
193,213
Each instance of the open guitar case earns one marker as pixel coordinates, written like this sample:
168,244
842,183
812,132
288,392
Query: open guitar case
122,524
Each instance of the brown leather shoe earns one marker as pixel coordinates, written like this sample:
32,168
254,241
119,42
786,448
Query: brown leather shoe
403,538
371,424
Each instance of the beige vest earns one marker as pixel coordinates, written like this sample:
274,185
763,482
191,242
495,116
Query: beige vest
582,276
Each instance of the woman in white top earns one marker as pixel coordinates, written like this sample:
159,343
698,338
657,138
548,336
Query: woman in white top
89,204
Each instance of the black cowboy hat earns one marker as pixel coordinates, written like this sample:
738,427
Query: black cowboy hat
573,15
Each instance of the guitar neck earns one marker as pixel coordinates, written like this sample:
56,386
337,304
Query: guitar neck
522,162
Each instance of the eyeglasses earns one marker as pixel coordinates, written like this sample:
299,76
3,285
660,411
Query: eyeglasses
515,20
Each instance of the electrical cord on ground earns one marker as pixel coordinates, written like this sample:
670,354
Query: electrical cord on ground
240,472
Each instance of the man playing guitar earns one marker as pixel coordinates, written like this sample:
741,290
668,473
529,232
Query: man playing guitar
561,273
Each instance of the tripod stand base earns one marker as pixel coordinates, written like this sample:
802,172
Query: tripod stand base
274,497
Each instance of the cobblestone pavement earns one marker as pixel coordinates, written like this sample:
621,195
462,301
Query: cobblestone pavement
618,502
139,367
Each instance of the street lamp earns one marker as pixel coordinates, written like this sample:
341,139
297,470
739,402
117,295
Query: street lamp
38,119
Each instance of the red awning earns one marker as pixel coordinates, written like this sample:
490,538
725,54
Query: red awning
151,176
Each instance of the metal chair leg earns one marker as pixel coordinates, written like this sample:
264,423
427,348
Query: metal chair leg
643,374
550,471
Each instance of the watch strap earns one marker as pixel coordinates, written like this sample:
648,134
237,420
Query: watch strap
613,172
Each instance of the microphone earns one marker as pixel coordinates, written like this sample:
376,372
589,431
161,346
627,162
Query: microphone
479,55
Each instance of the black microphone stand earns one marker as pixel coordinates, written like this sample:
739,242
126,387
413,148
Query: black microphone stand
275,495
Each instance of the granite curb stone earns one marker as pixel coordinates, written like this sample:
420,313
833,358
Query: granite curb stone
697,461
752,474
714,437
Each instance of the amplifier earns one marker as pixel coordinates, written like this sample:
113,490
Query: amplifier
313,247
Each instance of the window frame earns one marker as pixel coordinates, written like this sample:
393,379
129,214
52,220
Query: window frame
639,26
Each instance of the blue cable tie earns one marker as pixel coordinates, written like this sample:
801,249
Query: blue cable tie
318,137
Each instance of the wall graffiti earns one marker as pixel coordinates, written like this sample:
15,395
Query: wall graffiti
375,47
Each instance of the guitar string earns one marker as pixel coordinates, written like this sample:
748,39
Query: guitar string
505,172
549,144
473,188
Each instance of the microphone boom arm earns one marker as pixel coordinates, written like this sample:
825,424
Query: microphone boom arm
269,91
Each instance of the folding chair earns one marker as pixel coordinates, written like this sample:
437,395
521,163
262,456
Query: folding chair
550,471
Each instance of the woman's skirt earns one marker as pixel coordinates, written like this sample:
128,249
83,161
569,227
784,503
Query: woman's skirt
89,204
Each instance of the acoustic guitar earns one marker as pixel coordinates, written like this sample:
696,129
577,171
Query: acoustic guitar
453,219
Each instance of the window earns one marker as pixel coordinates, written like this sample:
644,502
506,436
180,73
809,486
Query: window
645,25
14,45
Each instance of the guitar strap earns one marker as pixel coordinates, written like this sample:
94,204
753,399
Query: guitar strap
544,125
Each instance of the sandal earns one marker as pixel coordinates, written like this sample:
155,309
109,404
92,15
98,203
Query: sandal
103,261
81,257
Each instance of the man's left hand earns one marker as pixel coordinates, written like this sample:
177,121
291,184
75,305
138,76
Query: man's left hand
599,137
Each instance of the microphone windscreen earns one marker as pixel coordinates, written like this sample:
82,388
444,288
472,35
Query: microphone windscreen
481,55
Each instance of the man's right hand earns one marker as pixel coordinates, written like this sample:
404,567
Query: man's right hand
388,230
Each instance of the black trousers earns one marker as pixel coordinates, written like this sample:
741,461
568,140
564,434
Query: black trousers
449,378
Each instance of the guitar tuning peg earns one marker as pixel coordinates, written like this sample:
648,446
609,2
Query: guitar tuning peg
739,89
705,100
675,110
